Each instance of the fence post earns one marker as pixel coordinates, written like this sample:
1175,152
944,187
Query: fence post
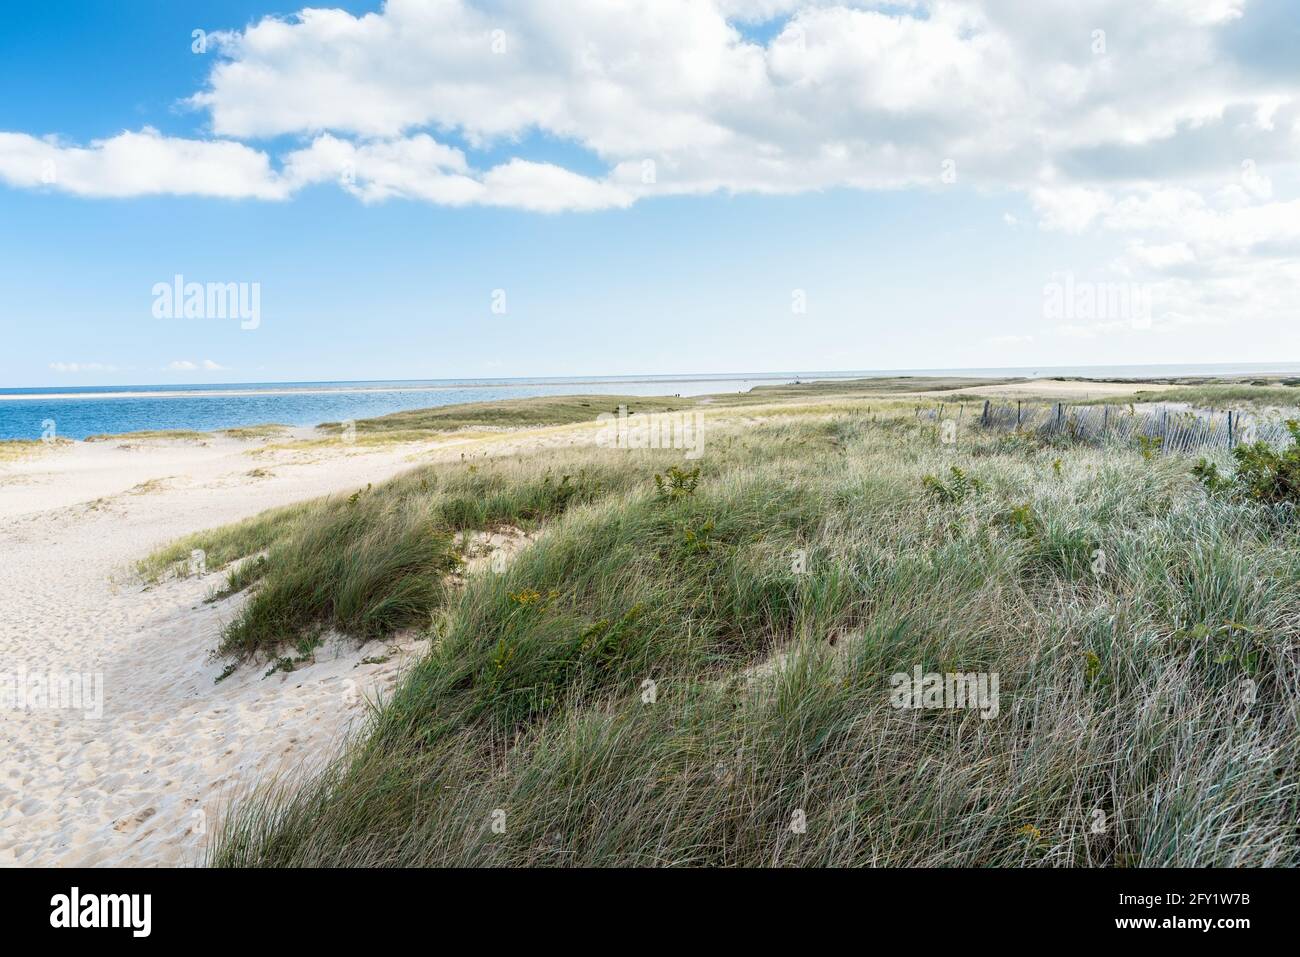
1017,415
1232,430
985,417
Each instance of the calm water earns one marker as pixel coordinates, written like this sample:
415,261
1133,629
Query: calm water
79,412
88,410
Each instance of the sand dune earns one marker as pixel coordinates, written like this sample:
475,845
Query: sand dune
145,783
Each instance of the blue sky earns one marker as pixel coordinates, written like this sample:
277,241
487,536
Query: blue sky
389,278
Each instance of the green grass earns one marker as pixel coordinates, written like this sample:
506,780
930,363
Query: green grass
224,545
249,432
1123,691
568,409
511,413
1221,396
13,450
176,435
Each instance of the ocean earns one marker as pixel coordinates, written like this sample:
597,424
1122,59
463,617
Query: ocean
76,412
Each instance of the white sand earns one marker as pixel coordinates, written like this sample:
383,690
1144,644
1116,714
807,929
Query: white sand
1056,389
146,783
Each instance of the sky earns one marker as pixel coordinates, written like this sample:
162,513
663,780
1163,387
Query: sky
475,188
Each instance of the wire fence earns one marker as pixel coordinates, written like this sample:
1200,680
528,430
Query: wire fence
1170,428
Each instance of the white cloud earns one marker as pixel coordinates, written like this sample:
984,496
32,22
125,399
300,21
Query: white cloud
419,167
186,365
73,367
139,164
843,94
1174,137
1071,209
544,187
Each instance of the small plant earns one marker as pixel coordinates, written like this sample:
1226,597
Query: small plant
1149,445
956,489
1022,521
1229,643
226,672
280,664
502,655
1092,674
1209,475
696,540
678,484
532,598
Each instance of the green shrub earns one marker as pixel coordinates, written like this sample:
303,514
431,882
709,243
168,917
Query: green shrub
957,488
678,484
1263,474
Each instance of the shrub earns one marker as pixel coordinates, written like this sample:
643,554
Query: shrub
678,484
957,488
1263,474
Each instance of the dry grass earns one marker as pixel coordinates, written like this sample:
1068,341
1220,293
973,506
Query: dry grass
1147,712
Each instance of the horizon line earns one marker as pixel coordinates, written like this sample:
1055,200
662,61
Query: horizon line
432,384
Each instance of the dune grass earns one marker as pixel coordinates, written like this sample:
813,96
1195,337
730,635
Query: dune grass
568,409
251,432
699,671
509,413
1224,395
222,546
14,450
151,435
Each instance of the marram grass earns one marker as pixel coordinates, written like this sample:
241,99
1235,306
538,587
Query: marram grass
705,678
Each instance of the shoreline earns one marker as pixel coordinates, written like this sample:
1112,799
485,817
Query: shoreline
226,391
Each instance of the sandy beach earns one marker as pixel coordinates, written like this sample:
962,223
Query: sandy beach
144,783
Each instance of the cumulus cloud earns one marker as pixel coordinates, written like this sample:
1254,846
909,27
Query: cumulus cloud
186,365
1090,108
72,367
418,167
139,164
1071,103
1171,127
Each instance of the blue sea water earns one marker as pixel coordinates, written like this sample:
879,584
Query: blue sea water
77,412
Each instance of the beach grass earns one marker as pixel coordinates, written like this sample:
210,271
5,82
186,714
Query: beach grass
1224,395
696,667
508,413
251,432
154,435
222,546
15,450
